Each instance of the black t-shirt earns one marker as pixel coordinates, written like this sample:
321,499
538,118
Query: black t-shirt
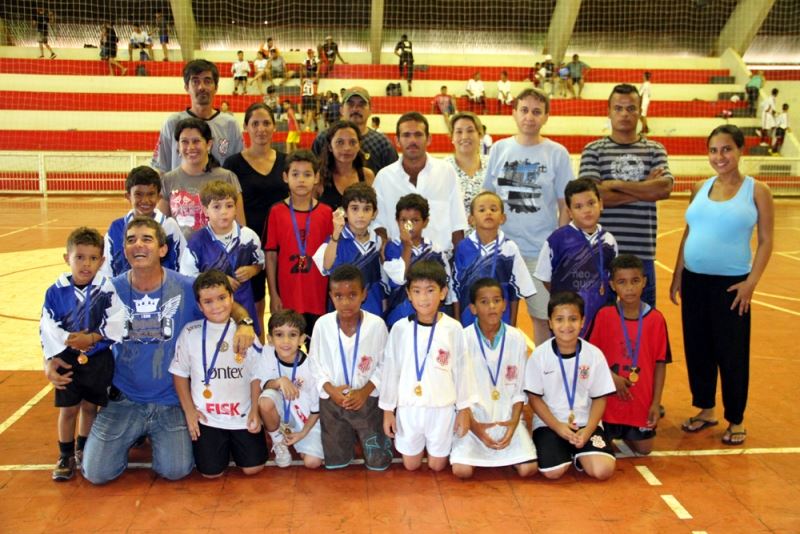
259,191
42,21
405,48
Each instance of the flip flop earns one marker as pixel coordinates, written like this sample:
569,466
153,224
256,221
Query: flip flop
727,437
687,426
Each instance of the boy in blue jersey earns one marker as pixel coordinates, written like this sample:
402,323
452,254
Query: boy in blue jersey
142,190
225,245
354,243
80,318
412,213
488,253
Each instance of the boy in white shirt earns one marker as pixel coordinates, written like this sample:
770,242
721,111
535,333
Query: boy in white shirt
289,404
240,70
218,389
346,356
426,374
504,90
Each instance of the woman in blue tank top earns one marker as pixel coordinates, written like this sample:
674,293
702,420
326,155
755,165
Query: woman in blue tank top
716,275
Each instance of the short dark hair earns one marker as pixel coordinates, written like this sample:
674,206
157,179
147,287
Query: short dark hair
730,129
148,222
84,235
624,89
217,190
413,201
193,124
427,270
300,156
361,192
211,278
347,273
486,194
286,317
564,298
412,116
483,283
580,185
626,261
142,175
538,94
196,66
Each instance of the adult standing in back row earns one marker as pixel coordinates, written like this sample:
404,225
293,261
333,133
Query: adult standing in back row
632,174
404,51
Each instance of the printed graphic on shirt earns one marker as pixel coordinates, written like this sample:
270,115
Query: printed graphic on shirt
520,184
149,324
628,168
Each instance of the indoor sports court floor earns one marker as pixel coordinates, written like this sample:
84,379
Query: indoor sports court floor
692,483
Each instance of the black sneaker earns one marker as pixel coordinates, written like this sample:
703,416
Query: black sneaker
65,469
78,459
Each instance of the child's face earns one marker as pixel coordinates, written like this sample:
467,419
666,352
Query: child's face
584,209
359,216
224,107
286,339
143,199
489,306
425,297
240,55
221,214
628,284
566,322
193,147
216,303
487,213
347,297
84,261
301,178
412,219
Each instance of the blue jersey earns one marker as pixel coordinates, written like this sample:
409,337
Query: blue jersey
499,259
114,251
66,310
204,251
398,305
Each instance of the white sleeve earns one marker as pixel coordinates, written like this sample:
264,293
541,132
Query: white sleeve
114,327
257,367
544,267
381,334
521,356
458,215
390,372
520,273
319,258
466,386
396,271
602,382
106,269
54,338
320,368
182,361
188,263
533,371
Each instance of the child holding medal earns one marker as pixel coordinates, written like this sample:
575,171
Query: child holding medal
567,381
633,338
295,229
289,404
426,376
498,352
346,355
217,388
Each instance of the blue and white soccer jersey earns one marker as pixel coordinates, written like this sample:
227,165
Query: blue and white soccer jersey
114,244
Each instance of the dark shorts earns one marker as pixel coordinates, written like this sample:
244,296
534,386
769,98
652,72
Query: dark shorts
576,80
135,46
277,73
90,381
240,78
108,52
628,433
554,451
340,427
309,103
164,38
259,286
215,446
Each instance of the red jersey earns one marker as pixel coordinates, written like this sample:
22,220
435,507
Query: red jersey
300,284
606,334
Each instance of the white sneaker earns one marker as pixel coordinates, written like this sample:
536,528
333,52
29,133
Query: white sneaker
283,458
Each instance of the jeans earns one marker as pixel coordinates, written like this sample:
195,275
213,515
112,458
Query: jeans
117,428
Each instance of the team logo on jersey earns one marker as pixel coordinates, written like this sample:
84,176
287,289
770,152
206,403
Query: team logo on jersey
365,363
628,167
298,382
443,357
598,442
222,146
511,372
583,372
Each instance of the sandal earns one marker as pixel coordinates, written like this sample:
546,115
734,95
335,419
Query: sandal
705,423
734,438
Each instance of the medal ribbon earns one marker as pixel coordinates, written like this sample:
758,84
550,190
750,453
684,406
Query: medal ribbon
87,303
419,369
232,258
632,351
208,370
494,378
348,379
287,404
600,263
570,392
494,257
301,243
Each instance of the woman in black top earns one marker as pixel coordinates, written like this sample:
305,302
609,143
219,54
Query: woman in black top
259,168
341,163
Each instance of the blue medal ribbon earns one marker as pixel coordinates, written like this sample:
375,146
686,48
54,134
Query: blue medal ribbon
348,379
417,367
286,403
207,370
633,352
301,243
232,259
600,262
570,391
496,376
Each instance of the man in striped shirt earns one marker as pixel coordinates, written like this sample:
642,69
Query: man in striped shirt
632,174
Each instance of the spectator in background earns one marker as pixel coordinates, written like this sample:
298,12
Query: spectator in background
446,105
534,75
376,123
547,74
781,127
260,66
163,33
577,71
769,110
240,70
140,41
504,90
476,92
328,52
311,64
276,68
403,50
42,20
644,95
108,49
268,47
333,112
224,107
753,89
486,142
271,100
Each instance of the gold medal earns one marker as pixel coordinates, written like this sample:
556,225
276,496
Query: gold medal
223,346
602,289
83,359
418,390
207,393
571,418
239,358
634,376
285,429
495,394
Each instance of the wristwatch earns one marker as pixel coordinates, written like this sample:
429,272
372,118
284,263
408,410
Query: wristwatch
247,321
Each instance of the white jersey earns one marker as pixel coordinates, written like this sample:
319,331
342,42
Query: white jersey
543,378
229,381
326,359
260,65
301,408
240,69
447,378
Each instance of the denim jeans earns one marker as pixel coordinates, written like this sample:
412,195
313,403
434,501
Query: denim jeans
117,428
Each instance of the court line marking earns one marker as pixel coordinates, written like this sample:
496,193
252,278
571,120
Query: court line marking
788,255
668,232
14,417
648,475
26,228
676,507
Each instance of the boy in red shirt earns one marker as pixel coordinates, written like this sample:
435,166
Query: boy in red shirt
637,356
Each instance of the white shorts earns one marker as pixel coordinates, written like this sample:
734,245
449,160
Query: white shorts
645,105
469,450
537,303
420,428
312,443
